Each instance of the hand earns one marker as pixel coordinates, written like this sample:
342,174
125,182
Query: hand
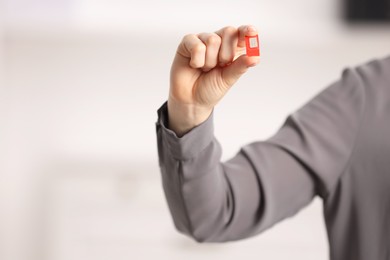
205,67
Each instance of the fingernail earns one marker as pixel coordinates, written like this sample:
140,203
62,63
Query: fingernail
251,29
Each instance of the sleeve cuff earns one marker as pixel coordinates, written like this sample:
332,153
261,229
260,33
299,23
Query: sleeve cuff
189,145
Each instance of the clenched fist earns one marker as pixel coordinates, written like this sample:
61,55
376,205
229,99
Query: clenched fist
205,67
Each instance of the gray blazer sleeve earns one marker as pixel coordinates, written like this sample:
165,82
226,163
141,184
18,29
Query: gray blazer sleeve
266,181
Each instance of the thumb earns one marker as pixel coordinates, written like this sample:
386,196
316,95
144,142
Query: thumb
235,70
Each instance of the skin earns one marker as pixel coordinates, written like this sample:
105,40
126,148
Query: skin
205,67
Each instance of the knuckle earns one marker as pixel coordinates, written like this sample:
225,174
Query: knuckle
209,64
199,47
187,37
229,30
196,63
225,59
213,39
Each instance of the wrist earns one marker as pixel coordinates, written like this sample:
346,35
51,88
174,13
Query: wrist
184,117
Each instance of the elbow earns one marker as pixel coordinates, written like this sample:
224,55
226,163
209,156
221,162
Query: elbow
201,234
202,238
197,239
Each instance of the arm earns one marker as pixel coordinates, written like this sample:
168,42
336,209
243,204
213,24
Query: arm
266,181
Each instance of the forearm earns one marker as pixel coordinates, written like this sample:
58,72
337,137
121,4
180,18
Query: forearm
193,179
209,200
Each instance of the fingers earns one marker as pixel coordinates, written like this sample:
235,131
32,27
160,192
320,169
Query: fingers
213,43
242,63
209,50
201,49
193,48
229,36
245,30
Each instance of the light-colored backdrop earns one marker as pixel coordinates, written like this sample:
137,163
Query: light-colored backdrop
82,81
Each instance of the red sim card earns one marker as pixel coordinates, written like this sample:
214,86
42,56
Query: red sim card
252,45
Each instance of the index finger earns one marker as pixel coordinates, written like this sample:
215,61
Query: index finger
245,30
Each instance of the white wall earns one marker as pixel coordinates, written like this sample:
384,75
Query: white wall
2,134
83,81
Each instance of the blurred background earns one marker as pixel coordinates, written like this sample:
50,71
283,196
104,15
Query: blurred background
80,83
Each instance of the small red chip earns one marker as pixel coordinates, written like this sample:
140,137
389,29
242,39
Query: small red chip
252,45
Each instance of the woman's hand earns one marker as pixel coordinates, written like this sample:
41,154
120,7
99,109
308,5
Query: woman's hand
205,67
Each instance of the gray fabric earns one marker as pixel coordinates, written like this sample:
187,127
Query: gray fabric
336,146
